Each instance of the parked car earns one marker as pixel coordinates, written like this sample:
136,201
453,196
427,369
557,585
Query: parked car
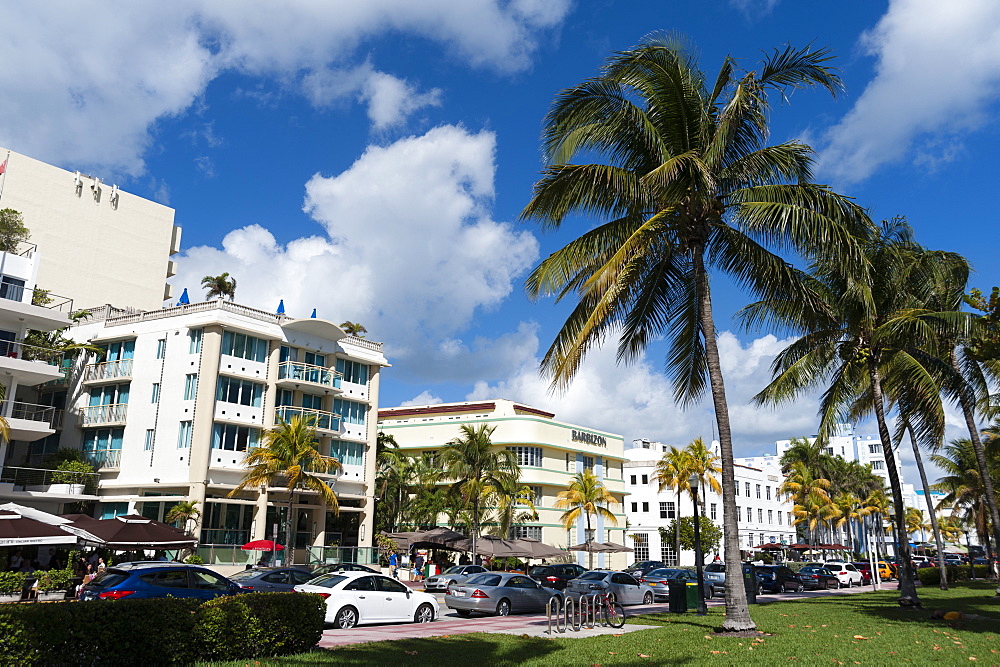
660,580
778,579
272,579
556,576
343,567
642,567
952,560
157,580
458,574
865,569
815,577
623,586
358,598
886,570
846,573
499,593
715,576
980,561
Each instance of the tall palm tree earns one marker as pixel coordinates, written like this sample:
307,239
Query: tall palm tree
219,287
810,497
849,510
355,329
476,466
689,184
586,496
183,513
964,485
514,504
288,454
673,471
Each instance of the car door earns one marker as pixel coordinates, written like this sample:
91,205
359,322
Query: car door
362,593
208,585
276,581
396,602
169,583
626,588
853,573
525,594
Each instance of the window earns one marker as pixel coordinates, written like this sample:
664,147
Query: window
760,516
534,532
156,393
640,542
234,438
632,480
588,463
314,359
645,507
208,581
779,518
112,394
353,371
285,397
194,341
184,435
312,402
645,479
527,456
536,492
758,492
878,465
568,462
668,555
168,579
161,348
770,516
99,444
747,488
875,448
635,508
150,433
348,453
829,450
11,288
242,392
768,492
243,346
190,386
351,412
668,510
119,350
714,512
750,514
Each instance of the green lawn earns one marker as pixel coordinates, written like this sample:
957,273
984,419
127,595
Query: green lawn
868,629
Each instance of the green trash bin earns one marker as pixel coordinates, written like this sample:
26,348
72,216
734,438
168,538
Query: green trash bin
677,597
691,595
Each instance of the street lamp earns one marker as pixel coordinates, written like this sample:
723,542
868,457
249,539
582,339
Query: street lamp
968,552
693,483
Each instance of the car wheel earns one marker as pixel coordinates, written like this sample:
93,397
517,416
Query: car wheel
782,588
503,607
346,619
760,589
424,614
647,598
464,613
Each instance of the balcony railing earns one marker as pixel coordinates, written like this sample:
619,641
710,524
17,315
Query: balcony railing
94,415
326,421
108,370
43,479
18,350
30,411
104,458
294,370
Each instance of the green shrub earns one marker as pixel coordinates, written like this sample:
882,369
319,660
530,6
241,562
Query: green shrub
54,580
11,582
194,559
75,472
931,576
260,624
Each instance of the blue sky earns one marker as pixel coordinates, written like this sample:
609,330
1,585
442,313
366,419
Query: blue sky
370,159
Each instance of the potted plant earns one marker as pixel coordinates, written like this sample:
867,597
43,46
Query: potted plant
11,584
76,475
53,583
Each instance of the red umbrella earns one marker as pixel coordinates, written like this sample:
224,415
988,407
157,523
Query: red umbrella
262,545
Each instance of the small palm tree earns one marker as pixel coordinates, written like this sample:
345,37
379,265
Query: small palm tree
673,471
586,496
183,513
811,497
288,453
219,287
355,329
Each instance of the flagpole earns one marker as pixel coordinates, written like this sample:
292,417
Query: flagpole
4,182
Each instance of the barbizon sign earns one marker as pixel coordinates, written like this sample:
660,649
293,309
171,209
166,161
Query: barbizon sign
590,438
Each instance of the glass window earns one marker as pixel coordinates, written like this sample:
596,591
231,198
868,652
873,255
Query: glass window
194,341
640,542
645,507
645,479
11,288
161,348
568,463
750,514
119,350
312,401
536,492
770,517
315,359
241,392
112,394
746,488
361,584
351,412
588,463
878,465
348,453
208,581
184,435
387,585
150,433
635,507
768,494
667,554
713,508
240,345
190,386
234,438
534,532
779,518
353,371
156,393
527,456
758,492
668,510
760,516
168,579
632,480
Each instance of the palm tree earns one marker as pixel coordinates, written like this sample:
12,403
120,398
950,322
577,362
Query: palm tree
810,453
964,485
219,287
288,453
915,523
811,498
586,496
353,329
673,471
690,183
514,504
183,513
849,510
477,467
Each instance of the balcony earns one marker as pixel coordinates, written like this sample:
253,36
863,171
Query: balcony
28,422
29,364
52,482
323,421
294,372
108,370
104,415
104,458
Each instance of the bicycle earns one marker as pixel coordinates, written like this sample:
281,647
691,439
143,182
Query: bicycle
614,613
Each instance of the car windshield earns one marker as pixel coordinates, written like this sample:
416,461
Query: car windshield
663,572
593,575
327,580
539,571
245,574
715,567
484,580
456,569
109,578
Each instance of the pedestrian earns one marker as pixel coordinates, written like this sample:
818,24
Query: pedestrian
479,559
101,567
418,568
394,565
16,561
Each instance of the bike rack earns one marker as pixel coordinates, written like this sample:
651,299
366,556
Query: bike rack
576,614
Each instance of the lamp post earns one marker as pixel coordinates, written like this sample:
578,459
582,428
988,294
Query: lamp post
968,546
693,482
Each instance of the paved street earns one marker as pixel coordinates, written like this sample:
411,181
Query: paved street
530,624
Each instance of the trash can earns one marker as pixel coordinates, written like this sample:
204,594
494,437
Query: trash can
692,594
750,582
677,597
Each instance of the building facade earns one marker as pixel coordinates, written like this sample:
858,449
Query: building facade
549,452
764,515
845,443
101,244
179,396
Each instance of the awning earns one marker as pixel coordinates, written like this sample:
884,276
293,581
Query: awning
131,531
593,547
17,530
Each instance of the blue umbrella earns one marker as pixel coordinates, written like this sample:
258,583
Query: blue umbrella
184,300
281,307
313,316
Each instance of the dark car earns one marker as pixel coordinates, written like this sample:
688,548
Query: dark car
642,567
343,567
556,576
660,579
157,580
778,579
815,577
272,579
866,572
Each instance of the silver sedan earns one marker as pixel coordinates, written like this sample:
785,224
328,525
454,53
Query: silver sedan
625,588
453,575
499,593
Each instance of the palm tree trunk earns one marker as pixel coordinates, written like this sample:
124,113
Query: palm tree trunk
968,411
737,610
907,587
930,509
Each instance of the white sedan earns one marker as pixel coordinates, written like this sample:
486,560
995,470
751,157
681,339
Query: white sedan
357,598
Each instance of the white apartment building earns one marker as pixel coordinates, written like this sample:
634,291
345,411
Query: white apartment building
764,515
865,449
101,244
549,452
182,393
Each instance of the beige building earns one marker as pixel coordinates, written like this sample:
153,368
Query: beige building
98,243
550,452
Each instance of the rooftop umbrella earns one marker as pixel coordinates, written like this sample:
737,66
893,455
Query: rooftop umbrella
618,548
538,549
770,546
185,299
313,316
496,547
281,307
18,530
130,531
802,547
593,547
262,545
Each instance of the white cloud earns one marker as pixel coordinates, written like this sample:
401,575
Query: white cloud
114,71
755,7
937,74
409,250
423,398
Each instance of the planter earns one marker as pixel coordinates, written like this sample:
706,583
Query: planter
58,489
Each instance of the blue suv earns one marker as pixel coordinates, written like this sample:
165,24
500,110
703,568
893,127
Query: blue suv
157,580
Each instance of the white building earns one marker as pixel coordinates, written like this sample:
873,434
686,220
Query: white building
101,244
183,392
764,516
865,449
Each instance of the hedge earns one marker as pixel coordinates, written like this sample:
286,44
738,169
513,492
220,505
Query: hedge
931,576
159,631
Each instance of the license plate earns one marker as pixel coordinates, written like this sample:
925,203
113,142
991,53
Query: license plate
458,594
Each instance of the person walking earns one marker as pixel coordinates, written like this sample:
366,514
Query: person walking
418,567
394,565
